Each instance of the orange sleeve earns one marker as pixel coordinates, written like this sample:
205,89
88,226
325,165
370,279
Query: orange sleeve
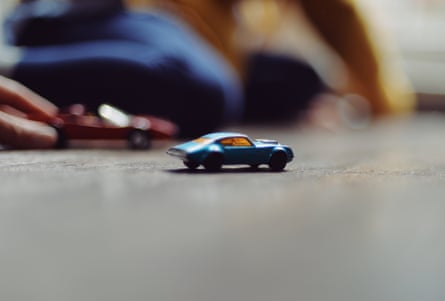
345,29
214,20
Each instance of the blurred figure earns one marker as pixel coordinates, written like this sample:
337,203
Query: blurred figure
341,24
181,61
74,52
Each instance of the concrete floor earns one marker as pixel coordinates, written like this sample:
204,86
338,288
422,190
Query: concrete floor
356,216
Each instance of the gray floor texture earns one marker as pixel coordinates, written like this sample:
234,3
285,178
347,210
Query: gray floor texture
356,216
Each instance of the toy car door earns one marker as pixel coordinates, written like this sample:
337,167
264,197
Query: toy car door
239,150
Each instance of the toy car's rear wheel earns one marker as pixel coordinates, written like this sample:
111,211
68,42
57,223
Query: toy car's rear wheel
139,139
278,161
213,162
191,165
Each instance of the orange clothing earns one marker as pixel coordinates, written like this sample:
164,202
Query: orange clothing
339,22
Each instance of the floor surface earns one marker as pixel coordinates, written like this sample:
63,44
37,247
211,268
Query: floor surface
356,216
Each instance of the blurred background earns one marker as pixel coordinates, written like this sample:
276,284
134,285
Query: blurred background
412,31
418,27
413,28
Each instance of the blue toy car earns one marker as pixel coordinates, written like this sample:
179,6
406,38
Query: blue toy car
214,150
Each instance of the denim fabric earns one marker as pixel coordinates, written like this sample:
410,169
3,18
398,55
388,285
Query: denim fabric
279,88
152,63
140,62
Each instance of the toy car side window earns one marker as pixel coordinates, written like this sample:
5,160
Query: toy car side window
241,141
227,142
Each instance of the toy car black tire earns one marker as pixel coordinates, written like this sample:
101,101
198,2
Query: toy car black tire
278,161
213,162
139,139
191,165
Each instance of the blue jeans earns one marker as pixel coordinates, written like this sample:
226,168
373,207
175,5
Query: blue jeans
141,62
151,63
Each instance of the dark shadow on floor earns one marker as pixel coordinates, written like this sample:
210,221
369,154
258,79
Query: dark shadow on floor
224,170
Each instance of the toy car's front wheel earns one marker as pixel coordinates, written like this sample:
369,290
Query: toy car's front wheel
191,165
278,161
139,139
213,162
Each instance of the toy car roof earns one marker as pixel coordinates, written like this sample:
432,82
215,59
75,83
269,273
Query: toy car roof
221,135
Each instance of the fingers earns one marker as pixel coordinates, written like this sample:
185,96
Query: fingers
22,133
18,132
21,98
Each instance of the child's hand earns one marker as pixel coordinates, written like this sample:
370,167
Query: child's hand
15,130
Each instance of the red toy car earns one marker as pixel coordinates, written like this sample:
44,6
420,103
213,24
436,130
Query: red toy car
76,123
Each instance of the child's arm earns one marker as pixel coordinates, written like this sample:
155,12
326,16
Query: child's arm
346,30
